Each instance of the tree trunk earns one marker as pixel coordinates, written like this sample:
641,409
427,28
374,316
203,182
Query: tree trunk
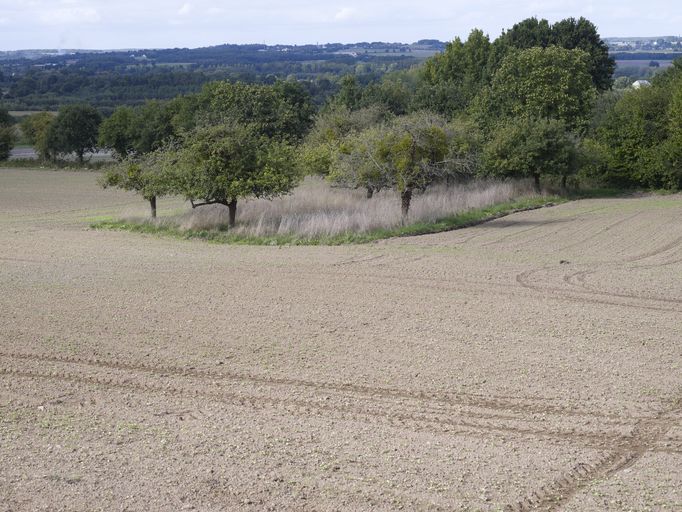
152,204
370,192
232,206
80,154
536,178
405,198
563,182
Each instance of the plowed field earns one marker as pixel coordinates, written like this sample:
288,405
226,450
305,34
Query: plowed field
529,363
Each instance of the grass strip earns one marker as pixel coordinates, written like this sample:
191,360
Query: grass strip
461,220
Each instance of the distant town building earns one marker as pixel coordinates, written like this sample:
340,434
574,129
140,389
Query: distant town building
638,84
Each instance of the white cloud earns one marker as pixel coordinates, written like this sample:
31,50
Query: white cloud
345,14
185,9
70,15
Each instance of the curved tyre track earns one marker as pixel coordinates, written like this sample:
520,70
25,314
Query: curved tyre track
646,436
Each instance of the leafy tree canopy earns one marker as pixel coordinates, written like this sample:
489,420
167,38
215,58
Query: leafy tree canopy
282,111
550,83
35,128
75,130
224,163
530,147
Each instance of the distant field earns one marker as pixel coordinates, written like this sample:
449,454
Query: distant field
25,152
642,63
24,113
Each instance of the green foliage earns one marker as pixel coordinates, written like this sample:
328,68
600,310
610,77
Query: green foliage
332,124
147,175
36,128
452,79
391,94
355,162
549,83
409,154
7,134
282,111
142,129
582,34
569,34
152,126
116,132
224,163
530,147
74,130
633,131
5,118
7,140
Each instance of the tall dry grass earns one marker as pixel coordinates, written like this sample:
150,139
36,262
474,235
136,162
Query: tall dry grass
317,209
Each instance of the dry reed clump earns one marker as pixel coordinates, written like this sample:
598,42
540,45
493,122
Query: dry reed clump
317,209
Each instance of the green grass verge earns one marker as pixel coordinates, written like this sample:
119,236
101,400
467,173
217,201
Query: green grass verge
461,220
60,165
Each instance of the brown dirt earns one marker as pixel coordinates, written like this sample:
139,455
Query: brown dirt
470,370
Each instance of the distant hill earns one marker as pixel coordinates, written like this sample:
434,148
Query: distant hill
44,79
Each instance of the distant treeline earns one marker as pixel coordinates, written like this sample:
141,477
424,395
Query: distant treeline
646,56
110,79
539,101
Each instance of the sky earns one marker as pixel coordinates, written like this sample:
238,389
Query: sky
118,24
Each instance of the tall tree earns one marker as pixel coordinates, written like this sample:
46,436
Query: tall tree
35,128
7,134
550,83
582,34
450,80
281,111
531,147
332,124
74,130
117,132
570,34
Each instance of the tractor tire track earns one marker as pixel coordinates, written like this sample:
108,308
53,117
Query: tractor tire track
588,297
578,279
415,422
503,404
646,435
415,417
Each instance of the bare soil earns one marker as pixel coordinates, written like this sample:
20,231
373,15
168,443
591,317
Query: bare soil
530,363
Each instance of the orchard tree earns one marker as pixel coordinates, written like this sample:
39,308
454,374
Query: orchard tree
152,126
409,154
531,147
36,128
147,175
332,124
354,161
224,163
74,130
